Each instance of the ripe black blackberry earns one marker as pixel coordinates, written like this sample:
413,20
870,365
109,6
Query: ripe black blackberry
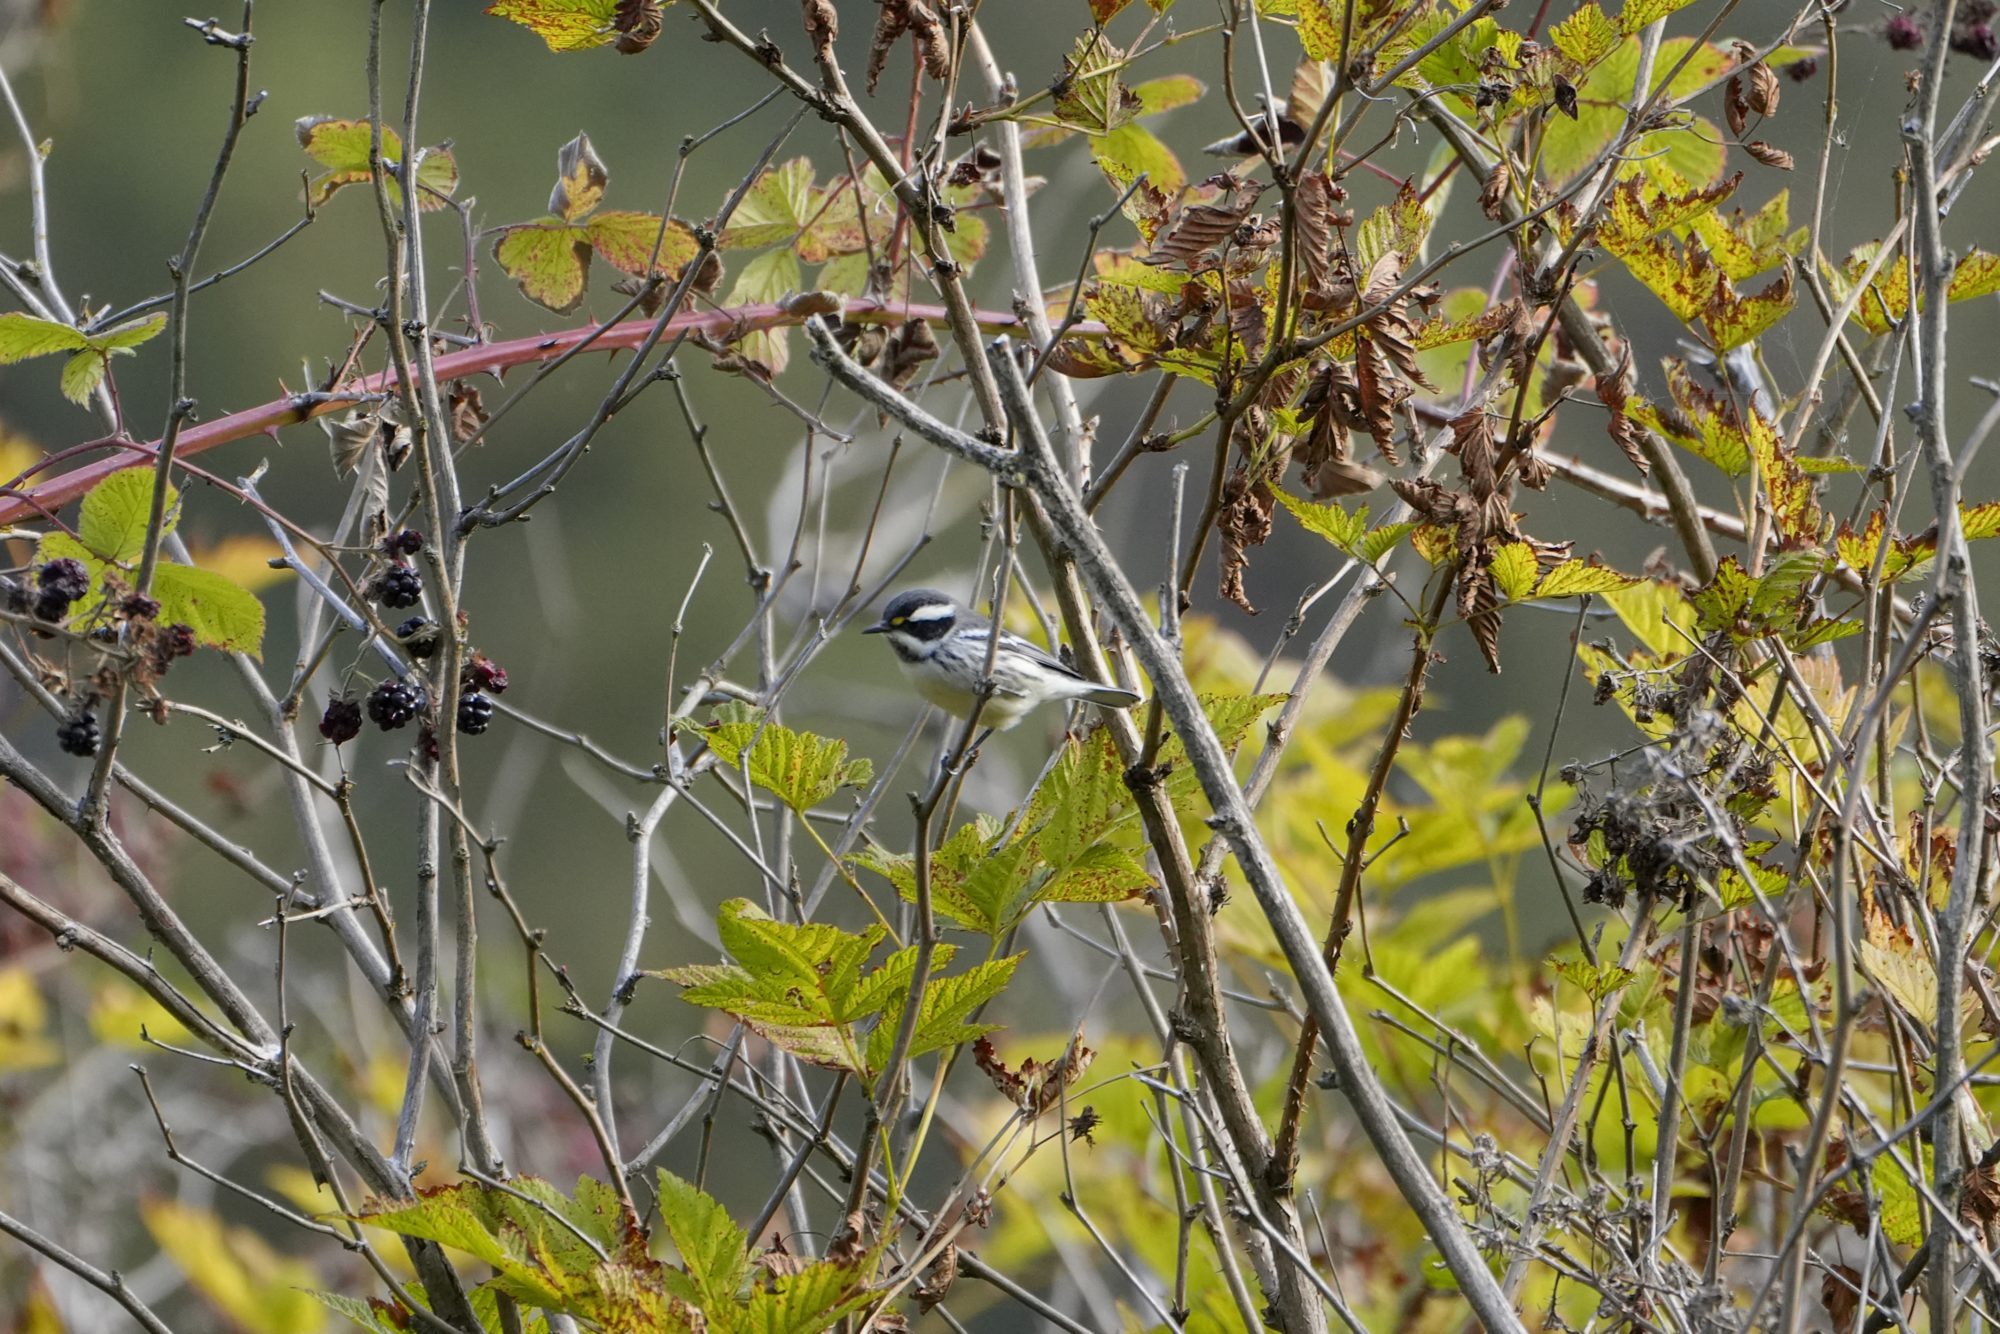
475,713
65,578
403,542
59,583
341,722
1976,40
140,607
420,637
399,586
394,703
78,735
15,597
482,673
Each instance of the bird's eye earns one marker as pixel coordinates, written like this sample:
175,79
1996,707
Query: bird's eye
897,620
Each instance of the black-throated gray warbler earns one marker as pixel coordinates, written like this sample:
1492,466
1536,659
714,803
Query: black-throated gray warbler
942,647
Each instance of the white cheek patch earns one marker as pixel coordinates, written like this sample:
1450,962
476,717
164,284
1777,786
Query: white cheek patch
936,611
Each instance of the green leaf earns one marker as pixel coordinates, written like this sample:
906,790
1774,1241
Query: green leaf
1596,981
1320,28
1638,13
112,519
626,240
808,1302
1091,97
343,146
765,279
1381,541
1514,569
713,1250
798,768
802,987
24,336
1586,36
1400,226
566,25
550,261
1345,530
776,207
221,614
945,1017
1168,93
1131,151
1573,577
1695,152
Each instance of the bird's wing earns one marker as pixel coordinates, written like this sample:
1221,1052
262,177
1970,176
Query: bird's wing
1039,655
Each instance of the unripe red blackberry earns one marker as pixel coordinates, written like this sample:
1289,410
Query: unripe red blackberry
176,641
393,703
341,722
475,713
1902,33
420,637
78,735
399,586
482,673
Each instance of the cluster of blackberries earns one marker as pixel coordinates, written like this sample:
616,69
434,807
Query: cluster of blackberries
58,584
399,701
1971,31
399,586
403,542
395,703
420,637
78,735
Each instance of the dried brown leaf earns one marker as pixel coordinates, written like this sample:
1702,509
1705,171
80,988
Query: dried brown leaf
1769,155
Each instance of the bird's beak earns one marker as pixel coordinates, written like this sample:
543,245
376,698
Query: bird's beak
879,628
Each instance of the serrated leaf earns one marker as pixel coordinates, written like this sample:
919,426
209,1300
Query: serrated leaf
944,1019
566,25
1695,152
1574,577
808,1302
1596,980
625,240
1104,873
1168,93
1091,97
1586,36
221,614
1638,13
765,279
24,336
775,207
81,375
713,1250
1338,526
1320,28
1400,226
112,519
1131,151
550,260
1724,599
1514,569
798,768
342,146
1381,541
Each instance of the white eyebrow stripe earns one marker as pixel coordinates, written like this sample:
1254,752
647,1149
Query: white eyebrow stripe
936,611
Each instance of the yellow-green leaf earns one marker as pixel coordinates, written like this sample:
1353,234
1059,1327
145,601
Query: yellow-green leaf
24,336
566,25
1514,569
1586,36
626,241
221,614
550,260
581,177
798,768
1574,577
1345,530
1638,13
771,275
112,519
259,1289
342,146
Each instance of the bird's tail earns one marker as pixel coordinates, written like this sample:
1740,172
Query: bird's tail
1113,697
